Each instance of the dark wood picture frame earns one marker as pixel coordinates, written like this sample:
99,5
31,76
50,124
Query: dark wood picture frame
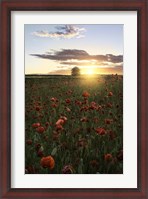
141,6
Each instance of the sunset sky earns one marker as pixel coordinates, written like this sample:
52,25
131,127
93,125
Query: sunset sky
56,49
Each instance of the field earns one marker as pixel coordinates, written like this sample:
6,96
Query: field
74,125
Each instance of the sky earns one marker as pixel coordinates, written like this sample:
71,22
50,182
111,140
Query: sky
56,49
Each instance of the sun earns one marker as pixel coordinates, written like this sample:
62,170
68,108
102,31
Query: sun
89,71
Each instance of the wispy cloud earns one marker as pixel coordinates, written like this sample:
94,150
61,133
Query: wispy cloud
63,31
80,57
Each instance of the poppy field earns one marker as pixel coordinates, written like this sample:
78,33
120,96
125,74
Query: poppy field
74,125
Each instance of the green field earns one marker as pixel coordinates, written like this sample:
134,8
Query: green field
74,125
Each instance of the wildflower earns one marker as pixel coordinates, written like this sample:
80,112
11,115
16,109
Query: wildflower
84,108
84,119
109,105
108,121
63,118
53,99
37,108
60,122
108,157
110,94
35,125
54,105
59,127
68,101
85,94
68,109
47,124
85,101
37,146
68,169
93,106
77,102
40,129
101,131
40,153
47,162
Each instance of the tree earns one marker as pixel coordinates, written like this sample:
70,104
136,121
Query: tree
75,71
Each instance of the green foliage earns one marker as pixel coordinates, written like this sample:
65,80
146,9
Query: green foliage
75,71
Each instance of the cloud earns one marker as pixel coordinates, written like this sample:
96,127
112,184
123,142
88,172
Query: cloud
65,32
75,63
64,54
80,57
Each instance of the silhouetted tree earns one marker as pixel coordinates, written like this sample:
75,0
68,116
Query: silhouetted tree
75,71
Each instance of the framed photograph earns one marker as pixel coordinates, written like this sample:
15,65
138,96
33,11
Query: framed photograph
73,99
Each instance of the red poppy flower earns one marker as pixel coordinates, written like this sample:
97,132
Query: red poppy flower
85,94
40,129
37,146
109,105
63,118
68,101
54,99
35,125
54,105
110,94
108,157
93,104
37,108
101,131
40,153
68,109
47,162
84,108
84,119
108,121
79,103
47,124
59,127
68,169
60,122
